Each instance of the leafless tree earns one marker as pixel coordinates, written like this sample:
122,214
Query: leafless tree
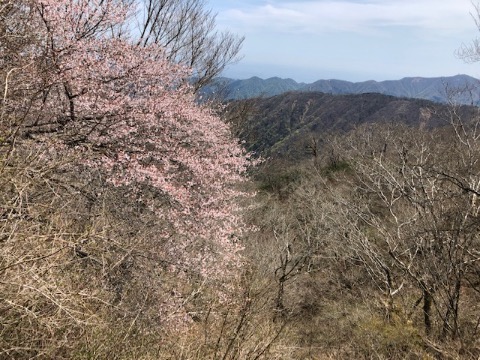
187,30
413,216
471,52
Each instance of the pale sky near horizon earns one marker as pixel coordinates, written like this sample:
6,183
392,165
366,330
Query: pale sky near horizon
354,40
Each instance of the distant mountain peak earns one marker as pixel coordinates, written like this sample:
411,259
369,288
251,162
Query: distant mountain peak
434,88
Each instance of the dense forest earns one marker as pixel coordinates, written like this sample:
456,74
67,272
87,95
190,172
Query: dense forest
139,223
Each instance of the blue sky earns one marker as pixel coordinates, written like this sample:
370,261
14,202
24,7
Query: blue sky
353,40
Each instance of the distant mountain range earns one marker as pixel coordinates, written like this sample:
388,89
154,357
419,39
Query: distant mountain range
461,88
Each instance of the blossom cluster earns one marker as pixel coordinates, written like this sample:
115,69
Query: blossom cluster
132,114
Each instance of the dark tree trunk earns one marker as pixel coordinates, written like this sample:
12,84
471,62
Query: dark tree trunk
427,311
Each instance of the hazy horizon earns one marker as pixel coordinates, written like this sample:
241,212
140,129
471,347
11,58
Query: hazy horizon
353,81
352,40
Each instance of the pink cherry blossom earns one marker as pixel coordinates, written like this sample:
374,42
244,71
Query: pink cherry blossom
132,114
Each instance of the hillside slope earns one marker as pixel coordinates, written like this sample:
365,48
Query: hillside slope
284,125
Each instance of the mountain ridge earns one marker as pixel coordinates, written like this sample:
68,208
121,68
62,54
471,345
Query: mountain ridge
460,88
282,126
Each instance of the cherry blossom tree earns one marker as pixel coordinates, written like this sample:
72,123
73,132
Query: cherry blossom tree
134,109
84,85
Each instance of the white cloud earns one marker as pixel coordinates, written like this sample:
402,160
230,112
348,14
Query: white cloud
370,16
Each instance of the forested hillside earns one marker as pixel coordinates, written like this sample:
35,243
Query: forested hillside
369,223
285,126
135,225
